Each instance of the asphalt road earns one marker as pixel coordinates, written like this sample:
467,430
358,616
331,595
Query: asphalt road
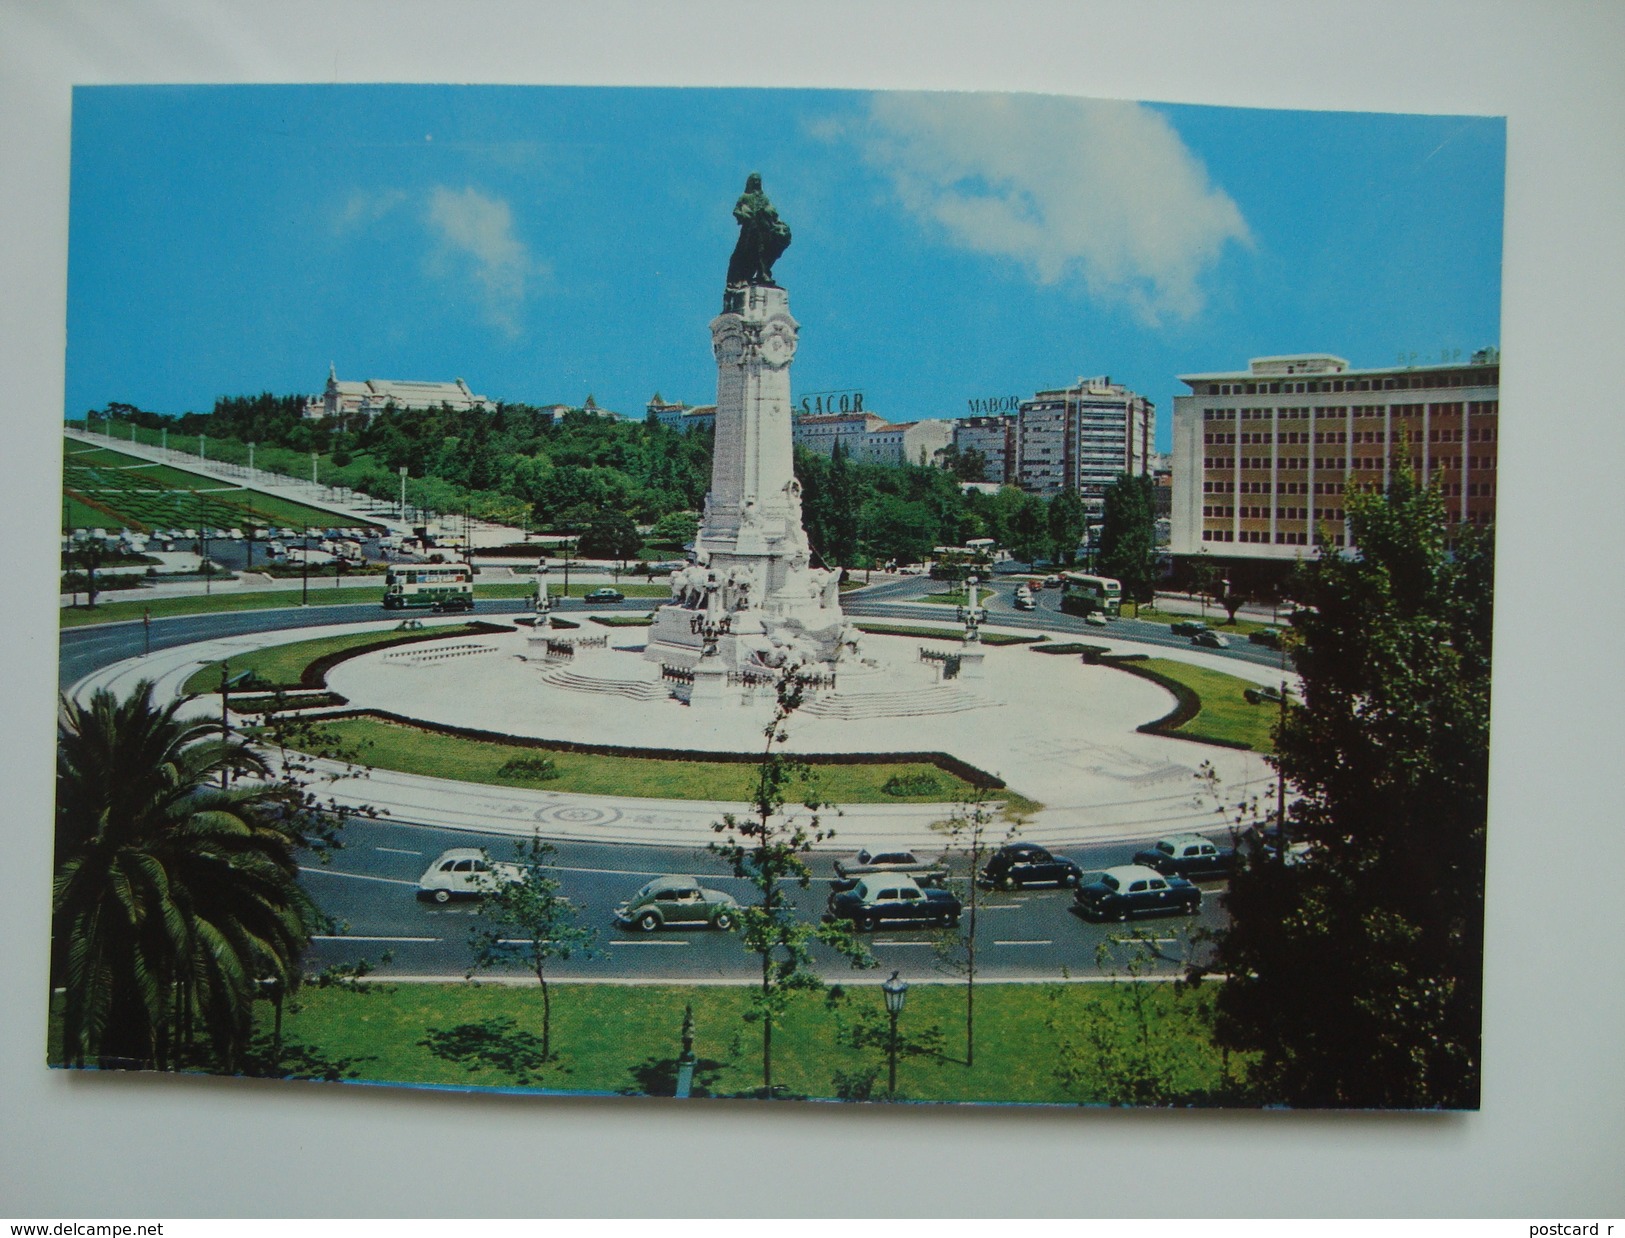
370,890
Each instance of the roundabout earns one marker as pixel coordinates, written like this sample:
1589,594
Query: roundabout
1057,731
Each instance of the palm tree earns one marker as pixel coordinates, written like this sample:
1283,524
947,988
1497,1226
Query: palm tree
175,896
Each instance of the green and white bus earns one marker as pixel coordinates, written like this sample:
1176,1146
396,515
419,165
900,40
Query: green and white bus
438,586
1082,594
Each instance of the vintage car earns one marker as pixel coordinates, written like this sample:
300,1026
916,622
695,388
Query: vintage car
464,872
1134,890
1187,627
673,901
1188,855
1022,864
893,902
865,862
600,596
1210,640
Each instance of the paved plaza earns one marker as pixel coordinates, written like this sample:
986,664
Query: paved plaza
1054,729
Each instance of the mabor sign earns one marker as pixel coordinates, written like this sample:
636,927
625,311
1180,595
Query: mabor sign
994,404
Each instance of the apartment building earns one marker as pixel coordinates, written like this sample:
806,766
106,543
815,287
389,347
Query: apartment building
1082,438
995,439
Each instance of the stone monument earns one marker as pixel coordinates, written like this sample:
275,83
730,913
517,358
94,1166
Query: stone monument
751,602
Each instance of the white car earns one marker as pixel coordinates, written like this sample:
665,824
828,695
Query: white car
1095,619
465,872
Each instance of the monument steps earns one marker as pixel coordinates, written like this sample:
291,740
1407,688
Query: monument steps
919,703
630,689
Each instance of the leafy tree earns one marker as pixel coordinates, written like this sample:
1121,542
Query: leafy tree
88,554
174,898
1356,975
867,1029
844,501
1028,528
973,831
1128,535
610,535
529,921
768,848
1066,520
675,528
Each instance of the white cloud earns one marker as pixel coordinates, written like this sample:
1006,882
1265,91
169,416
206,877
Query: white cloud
479,229
367,206
1097,191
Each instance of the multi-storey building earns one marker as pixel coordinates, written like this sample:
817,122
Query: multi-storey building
821,431
995,439
1264,457
1082,438
374,395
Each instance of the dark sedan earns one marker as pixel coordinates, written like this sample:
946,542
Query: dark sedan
1133,890
1188,855
894,902
1024,864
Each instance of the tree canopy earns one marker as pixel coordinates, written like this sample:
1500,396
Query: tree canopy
1356,975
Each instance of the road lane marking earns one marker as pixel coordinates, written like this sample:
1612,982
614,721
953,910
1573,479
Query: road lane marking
351,937
1145,941
333,872
1000,907
925,944
1024,943
648,943
397,851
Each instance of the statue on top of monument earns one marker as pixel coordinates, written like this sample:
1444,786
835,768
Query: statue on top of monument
763,236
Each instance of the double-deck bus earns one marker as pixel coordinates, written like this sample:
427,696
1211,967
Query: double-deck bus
438,586
974,558
1082,594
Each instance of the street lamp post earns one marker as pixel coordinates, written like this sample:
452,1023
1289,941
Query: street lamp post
403,492
304,571
251,462
202,447
896,992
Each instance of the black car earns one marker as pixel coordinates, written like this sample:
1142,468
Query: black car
1134,890
1023,864
892,901
1187,627
1188,855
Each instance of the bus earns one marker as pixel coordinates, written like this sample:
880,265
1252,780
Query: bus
975,558
439,586
1082,594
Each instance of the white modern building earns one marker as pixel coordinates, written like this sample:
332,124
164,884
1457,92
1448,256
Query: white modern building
1082,438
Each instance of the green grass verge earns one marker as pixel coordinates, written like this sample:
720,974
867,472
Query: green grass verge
389,745
108,487
623,621
625,1038
631,590
904,629
283,666
203,604
1226,715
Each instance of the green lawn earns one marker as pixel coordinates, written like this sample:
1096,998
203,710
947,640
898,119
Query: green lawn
1226,714
623,621
389,745
625,1038
282,666
108,488
328,593
631,590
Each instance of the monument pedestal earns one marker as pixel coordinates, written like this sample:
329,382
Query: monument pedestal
710,685
752,583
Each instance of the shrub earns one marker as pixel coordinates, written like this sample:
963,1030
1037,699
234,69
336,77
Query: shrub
912,784
529,769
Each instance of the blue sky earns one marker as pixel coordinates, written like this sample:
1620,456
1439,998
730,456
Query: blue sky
544,243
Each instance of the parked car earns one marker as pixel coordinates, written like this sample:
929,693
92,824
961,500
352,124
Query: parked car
464,872
1134,890
1022,864
1210,640
605,596
1270,637
894,901
866,862
1187,627
677,900
1188,855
